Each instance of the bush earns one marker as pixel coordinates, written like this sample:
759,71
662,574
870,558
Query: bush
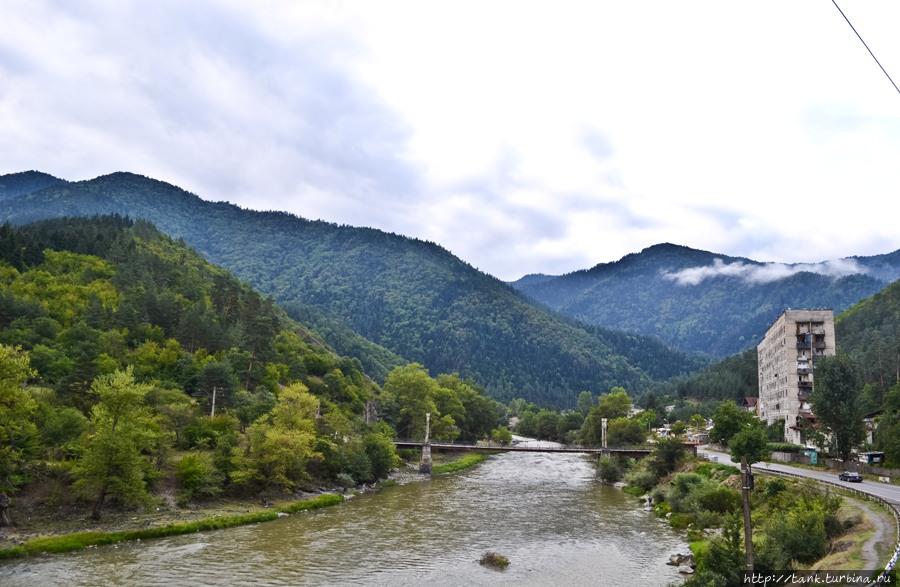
666,456
346,481
683,485
198,477
641,479
382,454
798,535
785,447
716,498
610,470
774,486
209,432
355,462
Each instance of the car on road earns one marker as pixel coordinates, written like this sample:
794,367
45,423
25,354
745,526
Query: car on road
851,477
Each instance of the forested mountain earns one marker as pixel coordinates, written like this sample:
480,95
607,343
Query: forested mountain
85,297
700,301
412,297
119,344
16,184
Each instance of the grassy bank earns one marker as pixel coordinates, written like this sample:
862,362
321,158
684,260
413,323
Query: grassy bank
79,540
466,461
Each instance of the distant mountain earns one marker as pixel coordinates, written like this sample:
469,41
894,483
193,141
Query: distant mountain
411,297
25,182
698,301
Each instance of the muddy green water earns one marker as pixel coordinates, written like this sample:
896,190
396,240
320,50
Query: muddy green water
545,512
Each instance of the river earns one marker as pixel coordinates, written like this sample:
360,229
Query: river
545,512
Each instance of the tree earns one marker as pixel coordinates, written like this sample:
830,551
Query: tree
585,402
835,401
281,443
624,432
666,455
113,463
728,420
501,435
408,395
18,432
751,442
887,435
382,454
697,422
615,404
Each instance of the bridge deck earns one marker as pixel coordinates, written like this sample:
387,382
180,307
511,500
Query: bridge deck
623,451
514,448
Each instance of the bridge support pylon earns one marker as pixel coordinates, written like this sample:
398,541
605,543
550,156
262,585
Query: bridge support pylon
425,463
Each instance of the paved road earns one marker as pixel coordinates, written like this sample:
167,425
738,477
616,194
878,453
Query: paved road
885,491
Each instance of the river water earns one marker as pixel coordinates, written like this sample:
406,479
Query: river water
545,512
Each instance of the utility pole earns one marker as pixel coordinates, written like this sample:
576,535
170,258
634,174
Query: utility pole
212,412
746,486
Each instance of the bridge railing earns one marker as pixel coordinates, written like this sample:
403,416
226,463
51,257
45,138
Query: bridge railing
526,444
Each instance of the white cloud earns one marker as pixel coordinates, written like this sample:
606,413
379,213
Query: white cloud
524,136
762,272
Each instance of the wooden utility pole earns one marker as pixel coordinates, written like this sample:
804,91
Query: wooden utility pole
746,486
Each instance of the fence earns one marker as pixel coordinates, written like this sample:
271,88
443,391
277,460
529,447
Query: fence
837,465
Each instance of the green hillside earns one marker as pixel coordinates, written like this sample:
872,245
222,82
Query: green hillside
412,297
131,366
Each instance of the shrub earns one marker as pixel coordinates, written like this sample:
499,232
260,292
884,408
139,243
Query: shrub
666,456
641,479
785,447
198,477
707,519
355,462
345,480
610,470
382,454
774,486
683,485
716,498
501,435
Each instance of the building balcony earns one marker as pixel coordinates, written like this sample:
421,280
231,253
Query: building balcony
805,386
804,344
803,396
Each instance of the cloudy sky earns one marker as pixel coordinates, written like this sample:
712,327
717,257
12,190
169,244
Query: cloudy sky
523,136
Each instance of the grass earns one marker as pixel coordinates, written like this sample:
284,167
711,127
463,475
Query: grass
79,540
464,462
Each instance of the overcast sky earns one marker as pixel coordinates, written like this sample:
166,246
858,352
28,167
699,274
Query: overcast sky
523,136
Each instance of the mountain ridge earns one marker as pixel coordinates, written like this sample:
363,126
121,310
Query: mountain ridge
409,296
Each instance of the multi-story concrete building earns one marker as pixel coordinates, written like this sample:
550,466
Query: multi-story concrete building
787,358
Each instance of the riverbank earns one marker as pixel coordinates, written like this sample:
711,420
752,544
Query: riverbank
796,524
62,532
79,540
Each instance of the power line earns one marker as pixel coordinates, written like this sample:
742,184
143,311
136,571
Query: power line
866,45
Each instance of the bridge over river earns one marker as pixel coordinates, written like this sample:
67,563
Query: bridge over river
626,451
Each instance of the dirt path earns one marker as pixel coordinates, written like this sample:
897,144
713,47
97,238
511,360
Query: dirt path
883,532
